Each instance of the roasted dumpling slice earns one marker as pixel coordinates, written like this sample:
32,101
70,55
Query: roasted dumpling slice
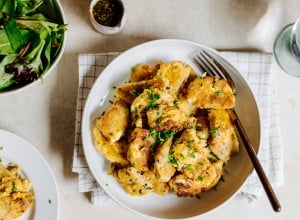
139,183
139,150
188,156
148,100
162,166
184,186
210,92
169,118
190,139
143,71
113,124
129,91
175,73
115,152
223,140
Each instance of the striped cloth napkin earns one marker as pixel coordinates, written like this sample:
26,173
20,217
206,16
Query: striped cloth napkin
255,67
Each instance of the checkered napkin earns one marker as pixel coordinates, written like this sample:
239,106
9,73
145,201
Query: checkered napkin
255,67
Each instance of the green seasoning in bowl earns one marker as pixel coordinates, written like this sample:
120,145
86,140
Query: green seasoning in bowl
31,37
108,12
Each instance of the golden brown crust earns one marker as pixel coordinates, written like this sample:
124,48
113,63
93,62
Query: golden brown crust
113,124
16,194
210,92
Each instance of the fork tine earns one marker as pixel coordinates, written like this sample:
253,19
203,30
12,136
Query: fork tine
203,65
216,70
212,67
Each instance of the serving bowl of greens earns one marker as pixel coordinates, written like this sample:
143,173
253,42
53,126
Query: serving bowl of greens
32,40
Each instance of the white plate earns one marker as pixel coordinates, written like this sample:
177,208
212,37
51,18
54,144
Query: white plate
168,206
32,164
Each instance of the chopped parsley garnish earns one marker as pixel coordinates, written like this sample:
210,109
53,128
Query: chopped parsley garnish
200,178
158,122
188,167
161,136
220,93
135,92
216,84
214,130
14,187
10,164
213,156
152,149
153,98
172,157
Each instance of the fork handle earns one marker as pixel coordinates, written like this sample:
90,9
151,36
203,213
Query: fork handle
256,164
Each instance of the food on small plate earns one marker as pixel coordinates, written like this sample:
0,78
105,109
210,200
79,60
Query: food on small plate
168,130
16,194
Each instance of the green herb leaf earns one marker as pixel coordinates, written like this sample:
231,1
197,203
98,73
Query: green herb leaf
172,158
153,98
161,136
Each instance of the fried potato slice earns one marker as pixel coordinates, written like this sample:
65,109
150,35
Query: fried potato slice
139,183
210,92
113,124
115,152
176,74
223,140
143,71
139,150
147,100
169,118
184,186
162,166
189,157
129,91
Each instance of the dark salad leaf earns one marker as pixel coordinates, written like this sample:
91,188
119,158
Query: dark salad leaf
29,40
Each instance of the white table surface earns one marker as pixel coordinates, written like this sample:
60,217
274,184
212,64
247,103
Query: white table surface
45,113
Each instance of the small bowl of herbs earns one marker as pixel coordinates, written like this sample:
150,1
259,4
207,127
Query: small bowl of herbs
32,40
107,16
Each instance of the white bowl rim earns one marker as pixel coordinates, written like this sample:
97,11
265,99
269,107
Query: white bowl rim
53,65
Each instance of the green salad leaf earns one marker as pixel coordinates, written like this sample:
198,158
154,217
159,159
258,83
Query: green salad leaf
30,40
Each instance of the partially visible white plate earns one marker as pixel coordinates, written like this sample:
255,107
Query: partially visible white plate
152,205
18,151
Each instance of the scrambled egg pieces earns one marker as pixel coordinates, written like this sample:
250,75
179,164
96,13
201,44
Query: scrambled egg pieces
15,193
168,130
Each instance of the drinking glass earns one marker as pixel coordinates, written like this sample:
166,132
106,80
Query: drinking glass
287,48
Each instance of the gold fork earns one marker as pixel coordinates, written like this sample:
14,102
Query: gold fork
213,68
